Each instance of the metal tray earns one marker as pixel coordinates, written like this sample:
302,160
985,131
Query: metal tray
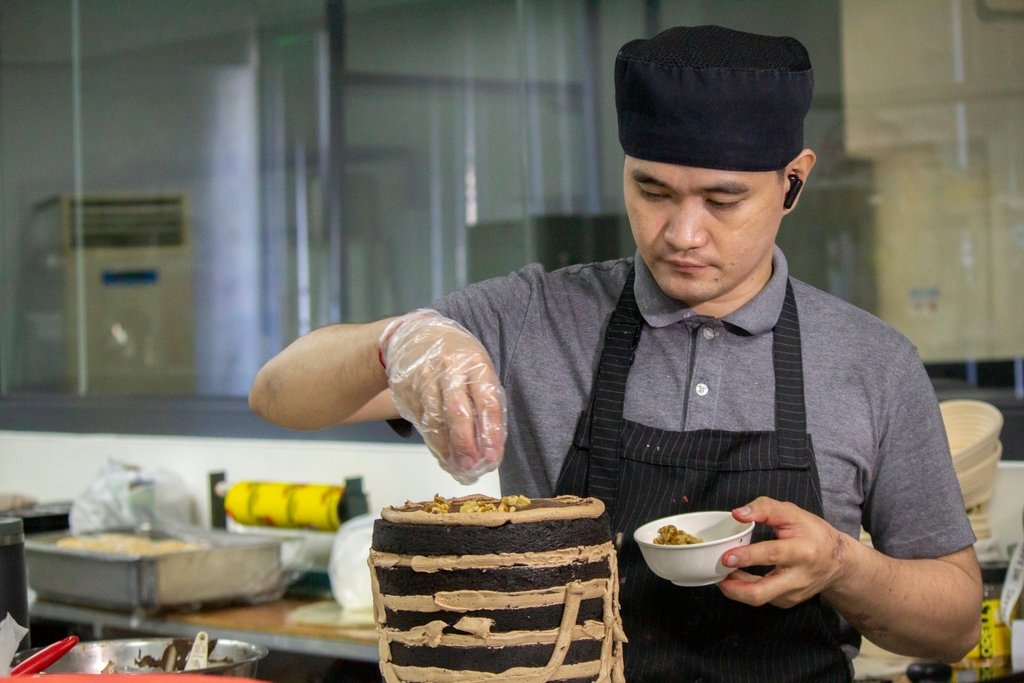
228,567
148,655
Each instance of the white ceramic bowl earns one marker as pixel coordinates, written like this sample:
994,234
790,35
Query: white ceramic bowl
699,564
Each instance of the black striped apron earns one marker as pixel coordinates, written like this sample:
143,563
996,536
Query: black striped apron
642,473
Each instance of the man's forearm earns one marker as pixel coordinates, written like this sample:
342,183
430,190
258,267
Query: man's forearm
920,608
321,379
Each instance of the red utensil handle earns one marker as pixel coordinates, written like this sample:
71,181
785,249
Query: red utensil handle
45,657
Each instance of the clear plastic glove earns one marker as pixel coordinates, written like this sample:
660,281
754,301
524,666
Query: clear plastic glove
443,382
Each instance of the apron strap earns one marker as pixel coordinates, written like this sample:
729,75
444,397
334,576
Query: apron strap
620,340
790,409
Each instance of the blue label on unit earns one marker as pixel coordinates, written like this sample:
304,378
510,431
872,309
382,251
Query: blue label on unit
129,277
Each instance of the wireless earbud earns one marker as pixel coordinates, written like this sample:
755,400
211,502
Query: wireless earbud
793,192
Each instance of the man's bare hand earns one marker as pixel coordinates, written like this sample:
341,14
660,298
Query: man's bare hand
807,555
442,381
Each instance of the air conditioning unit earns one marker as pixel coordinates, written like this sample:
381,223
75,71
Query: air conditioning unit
138,309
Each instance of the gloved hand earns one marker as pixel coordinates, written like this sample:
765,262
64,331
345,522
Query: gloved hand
443,382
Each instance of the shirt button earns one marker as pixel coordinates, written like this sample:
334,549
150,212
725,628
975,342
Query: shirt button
709,333
702,389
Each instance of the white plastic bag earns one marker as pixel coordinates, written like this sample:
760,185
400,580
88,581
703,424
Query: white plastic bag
348,571
11,634
126,497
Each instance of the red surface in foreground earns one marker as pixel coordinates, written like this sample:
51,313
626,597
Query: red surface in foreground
138,678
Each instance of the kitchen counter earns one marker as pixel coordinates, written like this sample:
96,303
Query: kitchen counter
269,625
266,625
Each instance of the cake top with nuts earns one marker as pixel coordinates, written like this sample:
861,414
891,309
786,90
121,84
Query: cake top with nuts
484,510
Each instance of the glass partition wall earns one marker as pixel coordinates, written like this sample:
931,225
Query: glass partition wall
187,186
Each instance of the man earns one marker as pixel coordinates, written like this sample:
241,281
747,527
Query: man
696,376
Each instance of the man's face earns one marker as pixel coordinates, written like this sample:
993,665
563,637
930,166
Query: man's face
706,235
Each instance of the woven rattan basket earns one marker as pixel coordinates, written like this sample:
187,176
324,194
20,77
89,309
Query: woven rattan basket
972,428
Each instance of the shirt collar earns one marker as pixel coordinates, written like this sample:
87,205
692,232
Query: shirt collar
754,317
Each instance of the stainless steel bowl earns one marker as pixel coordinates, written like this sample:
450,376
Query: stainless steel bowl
155,655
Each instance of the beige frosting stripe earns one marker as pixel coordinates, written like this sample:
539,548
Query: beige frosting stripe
550,558
417,674
431,636
383,647
387,670
470,600
573,598
614,620
378,606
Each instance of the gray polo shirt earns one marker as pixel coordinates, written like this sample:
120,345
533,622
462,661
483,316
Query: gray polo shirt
878,437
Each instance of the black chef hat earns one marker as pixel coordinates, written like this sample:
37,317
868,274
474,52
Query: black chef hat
712,97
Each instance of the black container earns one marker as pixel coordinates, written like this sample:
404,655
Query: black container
930,672
13,581
44,518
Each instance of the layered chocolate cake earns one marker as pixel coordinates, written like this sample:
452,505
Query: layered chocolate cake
479,589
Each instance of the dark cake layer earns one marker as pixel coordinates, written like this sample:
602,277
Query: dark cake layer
525,619
407,581
530,537
490,659
424,562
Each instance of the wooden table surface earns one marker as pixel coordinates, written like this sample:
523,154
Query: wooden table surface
275,618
